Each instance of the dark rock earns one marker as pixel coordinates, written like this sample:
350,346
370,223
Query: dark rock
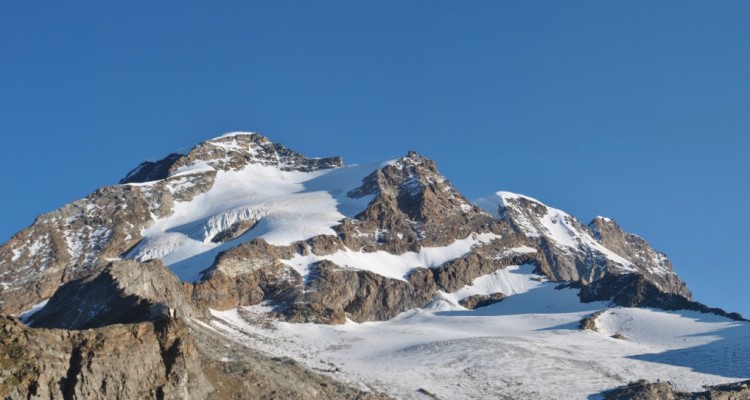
589,322
149,171
234,231
481,300
589,257
332,293
98,363
635,290
124,292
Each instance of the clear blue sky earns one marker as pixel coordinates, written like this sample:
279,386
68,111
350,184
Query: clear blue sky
633,110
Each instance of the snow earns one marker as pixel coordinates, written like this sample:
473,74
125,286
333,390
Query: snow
17,253
83,243
516,250
40,244
556,225
24,316
232,134
509,281
527,346
392,265
288,206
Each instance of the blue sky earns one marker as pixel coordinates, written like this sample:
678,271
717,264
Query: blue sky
633,110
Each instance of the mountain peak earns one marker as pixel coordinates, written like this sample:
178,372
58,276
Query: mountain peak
583,252
231,151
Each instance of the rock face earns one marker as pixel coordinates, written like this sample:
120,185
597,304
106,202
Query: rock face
151,171
586,253
174,362
482,300
124,292
73,241
643,390
654,265
413,206
98,364
634,290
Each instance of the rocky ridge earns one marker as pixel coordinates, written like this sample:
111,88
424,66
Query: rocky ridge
585,253
97,364
124,292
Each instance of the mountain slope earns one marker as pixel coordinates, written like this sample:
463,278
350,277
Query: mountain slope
583,252
195,211
380,275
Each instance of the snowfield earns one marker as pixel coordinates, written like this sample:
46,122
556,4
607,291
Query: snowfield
527,346
288,206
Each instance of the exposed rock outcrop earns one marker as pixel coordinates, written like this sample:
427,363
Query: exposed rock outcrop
124,292
98,364
174,361
413,206
644,390
149,171
481,300
647,261
254,272
635,290
588,323
578,252
332,293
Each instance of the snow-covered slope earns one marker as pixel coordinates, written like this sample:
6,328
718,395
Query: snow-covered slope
581,251
538,220
457,299
396,266
277,203
526,346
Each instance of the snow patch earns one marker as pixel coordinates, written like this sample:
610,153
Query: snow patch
556,225
288,206
24,316
391,265
511,280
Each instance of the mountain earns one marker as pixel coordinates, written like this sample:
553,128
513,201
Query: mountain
351,272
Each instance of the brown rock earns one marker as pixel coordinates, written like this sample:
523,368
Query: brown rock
98,364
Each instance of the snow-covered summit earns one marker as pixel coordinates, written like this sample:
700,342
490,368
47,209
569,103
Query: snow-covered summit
582,251
231,151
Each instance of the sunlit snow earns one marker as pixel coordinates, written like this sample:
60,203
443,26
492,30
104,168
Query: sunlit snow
288,206
527,346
